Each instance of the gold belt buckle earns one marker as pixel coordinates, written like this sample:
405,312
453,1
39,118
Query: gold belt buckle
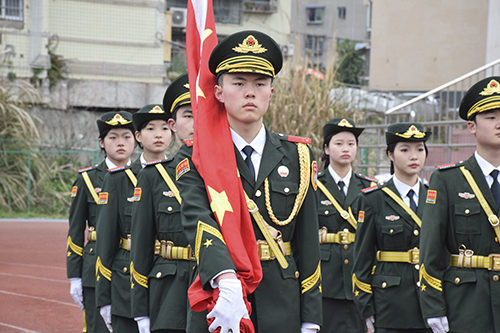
264,250
344,237
494,262
414,256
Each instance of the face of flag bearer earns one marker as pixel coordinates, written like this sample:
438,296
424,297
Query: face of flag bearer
182,122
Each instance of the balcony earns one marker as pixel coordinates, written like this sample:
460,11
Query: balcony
260,7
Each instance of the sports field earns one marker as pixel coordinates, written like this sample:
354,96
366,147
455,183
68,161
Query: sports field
34,290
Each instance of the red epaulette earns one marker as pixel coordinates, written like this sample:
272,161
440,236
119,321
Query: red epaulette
369,189
118,168
152,162
295,139
448,166
189,142
87,169
368,178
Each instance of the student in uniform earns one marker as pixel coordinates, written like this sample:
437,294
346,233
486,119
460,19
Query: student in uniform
287,299
386,270
113,225
161,258
338,190
461,219
116,139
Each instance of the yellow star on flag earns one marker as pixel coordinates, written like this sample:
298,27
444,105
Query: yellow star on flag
219,204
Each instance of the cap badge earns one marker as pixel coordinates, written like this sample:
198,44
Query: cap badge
283,171
156,109
186,86
344,123
250,44
412,131
118,119
492,88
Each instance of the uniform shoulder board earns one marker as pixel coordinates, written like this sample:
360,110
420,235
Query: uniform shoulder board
370,179
87,169
449,165
369,189
153,162
118,168
295,139
189,142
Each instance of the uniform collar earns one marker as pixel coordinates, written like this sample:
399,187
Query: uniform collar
403,188
486,167
337,178
257,144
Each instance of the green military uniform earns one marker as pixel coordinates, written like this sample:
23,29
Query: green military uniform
291,295
113,248
81,257
159,282
386,271
161,256
466,289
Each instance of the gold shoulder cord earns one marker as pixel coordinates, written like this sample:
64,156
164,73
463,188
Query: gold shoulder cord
492,218
305,174
345,214
132,177
169,181
400,202
87,180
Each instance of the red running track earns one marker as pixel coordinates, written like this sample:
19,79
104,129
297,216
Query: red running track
34,290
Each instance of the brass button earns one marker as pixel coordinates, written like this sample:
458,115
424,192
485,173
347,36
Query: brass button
417,267
158,275
194,267
91,250
346,261
391,231
124,269
384,284
326,212
495,278
297,274
346,247
467,211
286,190
496,239
415,232
258,193
457,280
169,209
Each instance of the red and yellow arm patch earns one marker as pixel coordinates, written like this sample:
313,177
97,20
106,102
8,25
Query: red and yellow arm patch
103,198
361,216
73,191
137,194
431,197
314,175
182,168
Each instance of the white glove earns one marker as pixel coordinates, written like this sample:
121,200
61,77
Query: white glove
306,327
438,324
76,291
143,324
370,321
230,307
105,311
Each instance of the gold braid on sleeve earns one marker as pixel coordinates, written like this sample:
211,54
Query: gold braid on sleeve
140,279
432,281
361,285
99,268
75,248
305,175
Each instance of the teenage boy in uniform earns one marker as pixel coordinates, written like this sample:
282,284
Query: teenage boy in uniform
462,291
270,168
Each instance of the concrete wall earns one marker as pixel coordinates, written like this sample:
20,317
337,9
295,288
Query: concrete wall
417,45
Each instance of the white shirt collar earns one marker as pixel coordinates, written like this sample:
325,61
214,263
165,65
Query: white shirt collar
337,178
257,144
110,164
486,167
403,188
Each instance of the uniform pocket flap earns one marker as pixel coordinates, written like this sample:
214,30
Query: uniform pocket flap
291,272
285,188
392,229
325,255
460,276
121,266
324,211
128,210
160,271
467,208
385,281
169,207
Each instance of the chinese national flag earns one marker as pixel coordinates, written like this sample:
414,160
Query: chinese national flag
213,156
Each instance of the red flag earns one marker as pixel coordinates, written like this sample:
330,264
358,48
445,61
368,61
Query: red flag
213,156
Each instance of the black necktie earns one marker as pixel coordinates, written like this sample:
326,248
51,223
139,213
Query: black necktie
495,187
248,150
413,205
341,185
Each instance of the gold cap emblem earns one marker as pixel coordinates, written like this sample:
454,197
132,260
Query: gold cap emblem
412,131
250,44
344,123
118,119
156,109
492,88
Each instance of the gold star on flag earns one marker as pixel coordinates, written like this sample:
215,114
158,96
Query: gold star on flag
208,242
219,204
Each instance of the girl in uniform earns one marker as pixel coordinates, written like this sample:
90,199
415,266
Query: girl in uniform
386,255
338,189
116,139
113,227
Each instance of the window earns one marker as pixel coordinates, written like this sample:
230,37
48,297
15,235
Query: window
315,44
227,11
315,14
341,12
11,9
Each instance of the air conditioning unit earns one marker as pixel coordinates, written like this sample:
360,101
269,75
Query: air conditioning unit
287,49
179,17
